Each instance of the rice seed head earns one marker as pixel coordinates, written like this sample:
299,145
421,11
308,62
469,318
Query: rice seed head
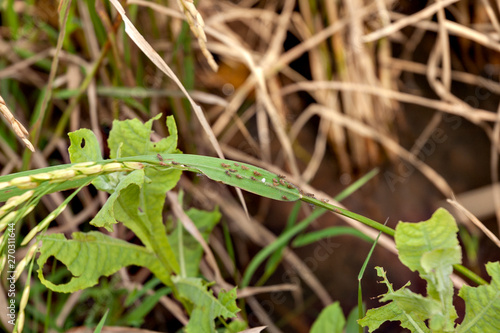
66,174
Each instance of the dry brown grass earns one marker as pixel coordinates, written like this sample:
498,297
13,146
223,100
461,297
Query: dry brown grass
355,93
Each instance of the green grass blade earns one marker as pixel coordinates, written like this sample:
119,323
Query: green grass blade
101,322
361,313
315,236
279,242
275,259
356,185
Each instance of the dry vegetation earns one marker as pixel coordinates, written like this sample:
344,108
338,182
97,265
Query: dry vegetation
321,91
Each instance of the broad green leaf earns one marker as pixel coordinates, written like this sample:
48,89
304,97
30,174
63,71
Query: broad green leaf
192,250
413,240
89,256
482,304
228,299
408,309
141,210
133,138
236,326
331,319
131,183
84,146
205,306
431,248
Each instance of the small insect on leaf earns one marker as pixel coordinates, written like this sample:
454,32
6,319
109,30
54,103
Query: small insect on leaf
236,164
281,176
244,167
175,163
284,197
224,165
257,173
239,176
159,157
324,200
253,178
290,186
282,182
163,164
232,170
228,173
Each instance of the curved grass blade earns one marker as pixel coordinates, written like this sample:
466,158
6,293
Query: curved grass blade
278,243
315,236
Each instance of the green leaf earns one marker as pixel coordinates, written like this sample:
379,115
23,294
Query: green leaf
236,326
406,307
205,306
228,299
331,319
132,138
89,256
84,146
139,204
192,250
245,176
482,304
413,240
132,184
431,248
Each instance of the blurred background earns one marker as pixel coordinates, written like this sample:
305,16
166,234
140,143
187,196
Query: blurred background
321,91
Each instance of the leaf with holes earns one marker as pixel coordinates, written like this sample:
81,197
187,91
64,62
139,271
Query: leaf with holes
89,256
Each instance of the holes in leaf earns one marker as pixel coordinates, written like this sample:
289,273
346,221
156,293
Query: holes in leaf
56,272
82,144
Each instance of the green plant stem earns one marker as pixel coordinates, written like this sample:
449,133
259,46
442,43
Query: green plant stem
365,220
387,230
470,274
